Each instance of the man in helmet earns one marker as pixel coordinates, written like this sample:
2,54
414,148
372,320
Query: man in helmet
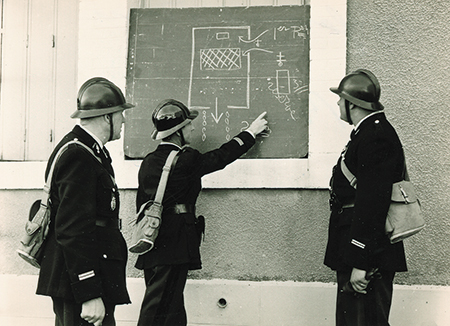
85,254
177,246
358,248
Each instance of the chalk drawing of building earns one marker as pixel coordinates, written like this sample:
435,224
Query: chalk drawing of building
220,72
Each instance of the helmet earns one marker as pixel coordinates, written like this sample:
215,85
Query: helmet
98,96
169,116
361,88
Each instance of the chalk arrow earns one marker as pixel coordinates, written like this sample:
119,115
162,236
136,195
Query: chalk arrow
241,39
217,116
256,49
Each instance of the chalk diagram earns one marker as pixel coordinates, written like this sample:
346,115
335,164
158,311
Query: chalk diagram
228,63
220,69
220,72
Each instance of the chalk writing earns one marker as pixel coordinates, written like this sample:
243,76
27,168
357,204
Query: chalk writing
296,31
265,134
227,125
280,59
204,124
298,88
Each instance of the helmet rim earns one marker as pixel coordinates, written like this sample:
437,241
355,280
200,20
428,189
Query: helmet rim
186,114
82,114
158,135
363,103
372,106
98,96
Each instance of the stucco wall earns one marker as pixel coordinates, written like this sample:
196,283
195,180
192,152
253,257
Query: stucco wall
406,44
251,235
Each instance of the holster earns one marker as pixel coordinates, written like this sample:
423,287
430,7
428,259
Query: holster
200,227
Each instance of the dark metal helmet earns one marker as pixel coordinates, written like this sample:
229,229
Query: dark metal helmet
361,88
98,96
170,116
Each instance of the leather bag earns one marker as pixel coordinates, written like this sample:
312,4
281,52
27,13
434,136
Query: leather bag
404,217
148,218
37,226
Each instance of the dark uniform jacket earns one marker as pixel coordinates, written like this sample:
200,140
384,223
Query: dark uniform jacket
357,235
85,253
178,241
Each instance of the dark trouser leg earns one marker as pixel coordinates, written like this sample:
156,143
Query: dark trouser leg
371,309
67,313
163,303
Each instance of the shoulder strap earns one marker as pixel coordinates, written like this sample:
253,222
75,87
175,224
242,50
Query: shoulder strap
405,169
348,174
164,176
352,178
63,148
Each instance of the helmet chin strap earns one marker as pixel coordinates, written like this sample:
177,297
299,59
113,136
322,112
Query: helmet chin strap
183,141
111,127
347,112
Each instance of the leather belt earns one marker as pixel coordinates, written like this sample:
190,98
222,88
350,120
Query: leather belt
109,223
179,209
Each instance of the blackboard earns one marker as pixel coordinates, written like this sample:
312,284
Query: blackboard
230,64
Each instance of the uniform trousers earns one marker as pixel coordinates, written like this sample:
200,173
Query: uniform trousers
67,313
371,309
163,303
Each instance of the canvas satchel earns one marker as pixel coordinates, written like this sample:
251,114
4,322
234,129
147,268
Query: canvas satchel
37,225
404,217
148,218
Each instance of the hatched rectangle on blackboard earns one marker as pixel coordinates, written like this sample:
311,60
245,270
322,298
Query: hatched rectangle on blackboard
230,64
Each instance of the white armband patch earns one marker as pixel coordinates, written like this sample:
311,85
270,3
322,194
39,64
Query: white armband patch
86,275
358,244
240,141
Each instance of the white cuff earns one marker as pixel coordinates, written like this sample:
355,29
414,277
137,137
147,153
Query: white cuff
251,133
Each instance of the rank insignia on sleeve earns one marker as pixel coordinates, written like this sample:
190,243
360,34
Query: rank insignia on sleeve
86,275
240,142
358,244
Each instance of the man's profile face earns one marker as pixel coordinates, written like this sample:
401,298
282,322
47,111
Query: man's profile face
118,120
187,132
341,104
